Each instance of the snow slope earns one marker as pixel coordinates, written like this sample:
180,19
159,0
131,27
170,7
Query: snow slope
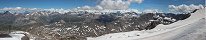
13,37
17,35
163,32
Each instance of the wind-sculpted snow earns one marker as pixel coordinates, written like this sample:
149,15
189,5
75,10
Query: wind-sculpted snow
68,26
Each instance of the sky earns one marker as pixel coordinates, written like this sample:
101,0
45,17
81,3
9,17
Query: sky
69,4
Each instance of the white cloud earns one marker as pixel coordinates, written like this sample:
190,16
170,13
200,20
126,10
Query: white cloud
103,4
86,7
139,1
112,4
21,9
152,11
89,8
98,7
184,8
17,8
61,10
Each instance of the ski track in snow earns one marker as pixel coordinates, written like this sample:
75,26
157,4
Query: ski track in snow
192,28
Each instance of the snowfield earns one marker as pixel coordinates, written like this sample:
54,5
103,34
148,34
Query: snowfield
14,36
18,35
192,28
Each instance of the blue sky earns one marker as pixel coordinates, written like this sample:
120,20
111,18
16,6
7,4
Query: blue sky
146,4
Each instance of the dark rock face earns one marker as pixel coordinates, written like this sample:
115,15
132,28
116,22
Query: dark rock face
4,35
7,12
7,20
25,37
152,25
106,18
178,16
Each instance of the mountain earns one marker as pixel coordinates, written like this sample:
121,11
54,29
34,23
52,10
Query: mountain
190,28
81,24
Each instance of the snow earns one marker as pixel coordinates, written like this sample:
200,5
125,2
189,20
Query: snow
17,35
14,36
179,32
161,32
